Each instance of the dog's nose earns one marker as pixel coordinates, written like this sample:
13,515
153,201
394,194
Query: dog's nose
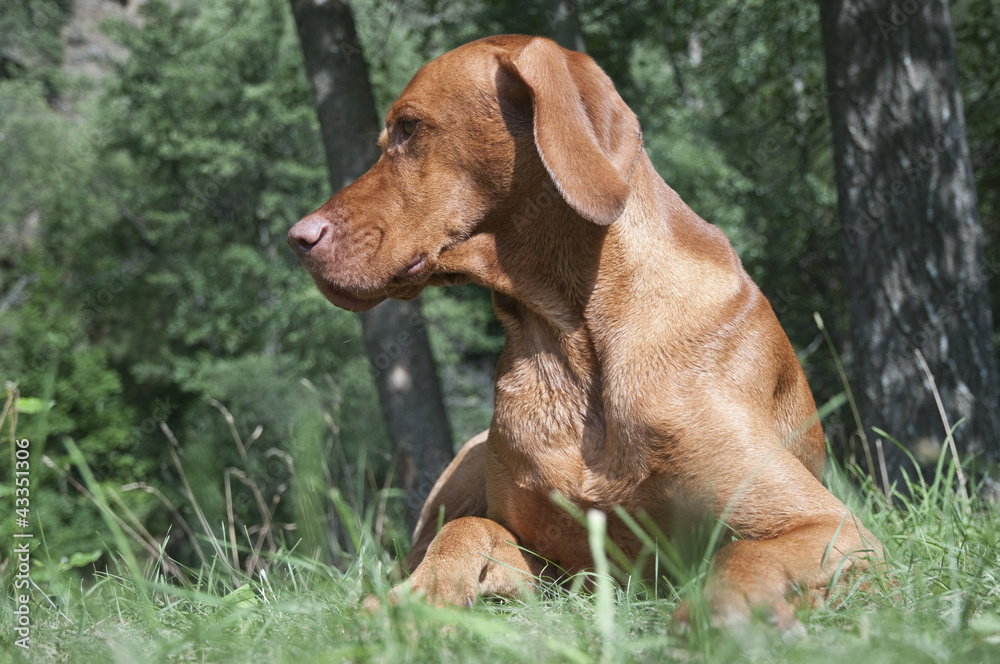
307,233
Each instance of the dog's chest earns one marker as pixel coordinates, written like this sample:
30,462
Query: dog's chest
547,421
551,434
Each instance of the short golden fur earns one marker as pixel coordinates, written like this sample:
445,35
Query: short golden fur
642,369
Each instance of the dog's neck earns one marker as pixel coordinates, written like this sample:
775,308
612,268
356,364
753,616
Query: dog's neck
554,274
576,276
656,280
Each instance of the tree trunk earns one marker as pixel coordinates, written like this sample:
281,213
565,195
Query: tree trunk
907,204
563,17
395,332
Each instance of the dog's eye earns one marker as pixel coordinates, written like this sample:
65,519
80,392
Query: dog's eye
407,127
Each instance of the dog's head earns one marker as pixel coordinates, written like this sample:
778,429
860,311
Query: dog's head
477,133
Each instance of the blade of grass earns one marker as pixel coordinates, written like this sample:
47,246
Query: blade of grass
115,525
603,588
172,448
949,432
850,394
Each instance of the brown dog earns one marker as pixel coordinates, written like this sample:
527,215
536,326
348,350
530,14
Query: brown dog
643,368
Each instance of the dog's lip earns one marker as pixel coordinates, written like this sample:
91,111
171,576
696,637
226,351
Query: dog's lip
409,277
348,299
417,265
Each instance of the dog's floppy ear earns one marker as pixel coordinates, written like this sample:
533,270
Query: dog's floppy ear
587,136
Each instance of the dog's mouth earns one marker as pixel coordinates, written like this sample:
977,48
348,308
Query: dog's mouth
406,284
348,299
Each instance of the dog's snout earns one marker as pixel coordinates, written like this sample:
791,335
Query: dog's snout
307,233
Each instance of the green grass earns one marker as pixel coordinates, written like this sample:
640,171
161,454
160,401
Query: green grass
943,549
944,553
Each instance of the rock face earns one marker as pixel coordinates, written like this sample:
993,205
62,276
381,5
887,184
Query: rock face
89,52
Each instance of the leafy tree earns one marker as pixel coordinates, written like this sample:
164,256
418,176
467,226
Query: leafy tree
160,269
30,45
45,346
222,145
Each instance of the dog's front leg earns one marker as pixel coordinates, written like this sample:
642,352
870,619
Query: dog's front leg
471,557
770,576
793,539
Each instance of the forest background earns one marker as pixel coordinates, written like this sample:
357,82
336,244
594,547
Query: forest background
153,156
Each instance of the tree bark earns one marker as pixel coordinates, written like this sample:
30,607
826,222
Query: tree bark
395,332
907,205
563,17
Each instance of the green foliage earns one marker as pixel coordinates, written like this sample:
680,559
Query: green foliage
44,344
146,273
389,36
30,44
220,141
466,339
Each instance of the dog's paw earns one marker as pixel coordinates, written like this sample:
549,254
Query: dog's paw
372,603
731,610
